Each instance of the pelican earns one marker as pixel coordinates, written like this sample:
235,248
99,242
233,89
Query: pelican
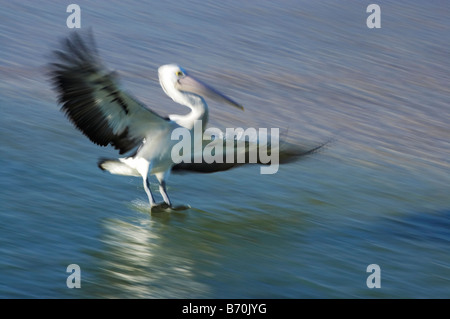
92,99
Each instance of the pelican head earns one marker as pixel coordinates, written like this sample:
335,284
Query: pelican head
176,82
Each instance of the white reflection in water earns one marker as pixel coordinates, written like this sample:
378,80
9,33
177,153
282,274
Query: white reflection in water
137,265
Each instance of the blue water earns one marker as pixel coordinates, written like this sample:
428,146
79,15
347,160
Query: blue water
378,194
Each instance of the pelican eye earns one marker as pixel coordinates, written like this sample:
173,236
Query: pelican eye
179,73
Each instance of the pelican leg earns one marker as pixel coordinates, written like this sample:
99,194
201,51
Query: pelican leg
162,187
143,167
163,191
148,191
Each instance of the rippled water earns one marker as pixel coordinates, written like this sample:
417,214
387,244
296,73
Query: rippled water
378,194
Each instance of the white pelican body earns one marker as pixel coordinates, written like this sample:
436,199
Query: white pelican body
92,100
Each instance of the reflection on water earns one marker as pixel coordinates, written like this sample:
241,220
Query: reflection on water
136,262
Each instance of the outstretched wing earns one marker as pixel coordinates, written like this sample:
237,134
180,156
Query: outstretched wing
92,100
285,152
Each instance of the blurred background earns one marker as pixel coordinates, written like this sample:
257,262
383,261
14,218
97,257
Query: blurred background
378,194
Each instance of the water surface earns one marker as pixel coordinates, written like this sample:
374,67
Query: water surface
377,194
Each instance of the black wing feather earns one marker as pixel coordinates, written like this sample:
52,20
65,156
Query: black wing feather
91,99
287,152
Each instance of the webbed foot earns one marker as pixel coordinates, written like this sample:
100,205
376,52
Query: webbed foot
164,207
